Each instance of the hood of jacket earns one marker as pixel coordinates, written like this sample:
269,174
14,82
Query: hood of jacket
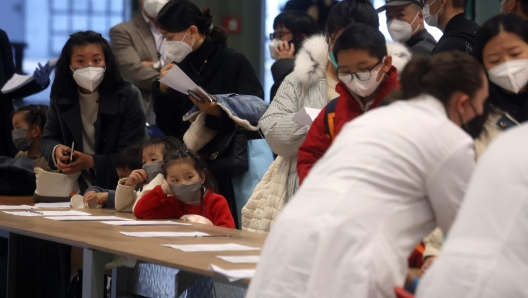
312,58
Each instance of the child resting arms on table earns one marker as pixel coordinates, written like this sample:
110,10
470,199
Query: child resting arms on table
188,193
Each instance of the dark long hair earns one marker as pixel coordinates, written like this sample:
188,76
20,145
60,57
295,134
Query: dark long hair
194,159
64,85
179,15
510,23
441,76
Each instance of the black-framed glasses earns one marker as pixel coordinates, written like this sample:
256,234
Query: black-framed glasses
279,34
347,77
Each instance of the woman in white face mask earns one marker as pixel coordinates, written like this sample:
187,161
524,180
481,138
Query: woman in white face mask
199,49
93,107
502,47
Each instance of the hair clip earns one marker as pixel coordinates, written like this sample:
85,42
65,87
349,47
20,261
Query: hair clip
210,29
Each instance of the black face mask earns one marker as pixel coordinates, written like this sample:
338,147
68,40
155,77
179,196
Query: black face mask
475,126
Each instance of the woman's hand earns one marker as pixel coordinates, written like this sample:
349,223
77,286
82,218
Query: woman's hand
80,162
207,106
165,187
163,88
285,51
136,177
61,158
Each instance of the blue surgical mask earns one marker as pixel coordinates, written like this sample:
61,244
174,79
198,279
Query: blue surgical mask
333,60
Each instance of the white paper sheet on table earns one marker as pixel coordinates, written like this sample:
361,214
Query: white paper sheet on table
234,274
210,247
16,207
17,81
48,213
306,116
164,234
178,80
53,205
240,259
86,218
146,223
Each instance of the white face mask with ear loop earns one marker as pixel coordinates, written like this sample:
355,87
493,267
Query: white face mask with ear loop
153,7
401,31
89,77
274,44
510,75
429,19
177,50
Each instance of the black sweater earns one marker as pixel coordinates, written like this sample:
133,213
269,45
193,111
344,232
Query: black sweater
226,71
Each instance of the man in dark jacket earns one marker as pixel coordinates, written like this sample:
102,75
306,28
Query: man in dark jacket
448,16
405,24
518,7
7,70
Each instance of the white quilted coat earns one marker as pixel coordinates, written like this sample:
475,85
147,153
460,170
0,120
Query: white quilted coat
304,87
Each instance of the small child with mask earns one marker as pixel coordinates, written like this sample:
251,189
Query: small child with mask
188,193
142,180
28,124
127,161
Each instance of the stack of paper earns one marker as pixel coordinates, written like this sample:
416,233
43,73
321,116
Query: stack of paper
17,81
17,207
211,247
178,80
53,205
47,213
233,275
86,218
164,234
145,223
240,259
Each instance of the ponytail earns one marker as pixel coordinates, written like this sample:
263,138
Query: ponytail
216,34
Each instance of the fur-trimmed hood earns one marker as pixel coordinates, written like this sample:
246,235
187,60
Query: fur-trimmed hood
311,60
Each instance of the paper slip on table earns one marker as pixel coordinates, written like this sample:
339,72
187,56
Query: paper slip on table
100,242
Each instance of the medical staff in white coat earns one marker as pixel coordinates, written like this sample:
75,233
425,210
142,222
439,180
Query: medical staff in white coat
391,177
486,252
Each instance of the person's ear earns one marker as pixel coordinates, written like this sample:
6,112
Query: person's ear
461,100
513,6
203,178
387,63
193,32
35,131
420,16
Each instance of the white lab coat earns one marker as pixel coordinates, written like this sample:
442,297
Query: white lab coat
486,253
391,176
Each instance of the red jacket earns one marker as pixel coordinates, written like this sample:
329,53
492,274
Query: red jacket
155,204
347,108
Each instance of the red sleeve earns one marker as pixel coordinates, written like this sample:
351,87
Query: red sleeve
155,204
220,212
313,148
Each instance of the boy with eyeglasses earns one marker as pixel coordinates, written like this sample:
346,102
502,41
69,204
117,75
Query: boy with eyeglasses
366,77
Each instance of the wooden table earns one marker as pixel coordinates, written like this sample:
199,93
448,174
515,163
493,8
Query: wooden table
100,242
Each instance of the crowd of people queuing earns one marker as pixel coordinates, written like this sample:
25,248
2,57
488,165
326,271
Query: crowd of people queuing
411,175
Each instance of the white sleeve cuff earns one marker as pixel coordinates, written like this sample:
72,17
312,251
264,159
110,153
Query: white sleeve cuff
53,156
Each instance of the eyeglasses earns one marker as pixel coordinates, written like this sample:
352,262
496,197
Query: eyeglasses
347,77
279,34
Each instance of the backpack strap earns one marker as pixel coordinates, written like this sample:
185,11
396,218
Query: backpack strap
329,119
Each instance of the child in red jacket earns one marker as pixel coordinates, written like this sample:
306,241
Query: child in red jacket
188,189
366,77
